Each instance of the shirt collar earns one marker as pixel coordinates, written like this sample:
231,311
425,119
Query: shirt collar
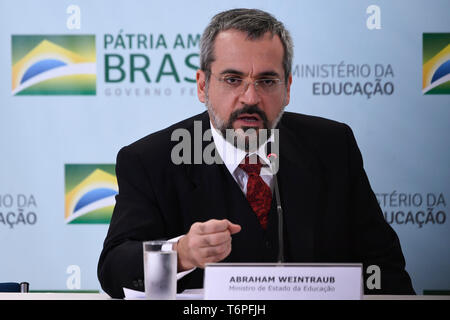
233,156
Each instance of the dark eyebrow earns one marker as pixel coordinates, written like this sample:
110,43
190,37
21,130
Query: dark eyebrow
240,73
268,74
261,74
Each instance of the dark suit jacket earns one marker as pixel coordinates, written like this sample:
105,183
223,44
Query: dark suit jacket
330,211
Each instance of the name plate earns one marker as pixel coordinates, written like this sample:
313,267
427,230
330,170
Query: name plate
283,281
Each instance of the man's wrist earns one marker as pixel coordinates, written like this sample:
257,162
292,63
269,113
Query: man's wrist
182,264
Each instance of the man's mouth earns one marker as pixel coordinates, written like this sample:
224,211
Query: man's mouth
250,119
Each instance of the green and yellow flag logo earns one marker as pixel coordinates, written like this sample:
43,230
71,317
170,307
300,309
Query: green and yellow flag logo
53,65
436,63
90,193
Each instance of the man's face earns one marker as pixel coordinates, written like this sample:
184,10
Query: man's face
244,107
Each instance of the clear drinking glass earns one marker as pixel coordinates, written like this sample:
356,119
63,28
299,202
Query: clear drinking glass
160,270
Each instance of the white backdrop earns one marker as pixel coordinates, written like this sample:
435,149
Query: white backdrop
372,56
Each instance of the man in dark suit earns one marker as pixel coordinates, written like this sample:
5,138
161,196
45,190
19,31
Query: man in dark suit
330,212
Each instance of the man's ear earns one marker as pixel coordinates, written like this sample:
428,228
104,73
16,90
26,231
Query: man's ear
201,85
288,90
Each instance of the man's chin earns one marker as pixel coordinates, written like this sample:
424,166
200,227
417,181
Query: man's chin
248,139
246,129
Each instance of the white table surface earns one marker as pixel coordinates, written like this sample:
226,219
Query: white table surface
103,296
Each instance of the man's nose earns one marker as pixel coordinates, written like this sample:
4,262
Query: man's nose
250,96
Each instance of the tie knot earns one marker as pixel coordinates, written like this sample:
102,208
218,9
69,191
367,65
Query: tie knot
252,166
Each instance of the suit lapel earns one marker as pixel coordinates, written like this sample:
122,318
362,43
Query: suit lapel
299,183
205,201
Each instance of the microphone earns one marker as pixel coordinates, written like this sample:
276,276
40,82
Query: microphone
273,158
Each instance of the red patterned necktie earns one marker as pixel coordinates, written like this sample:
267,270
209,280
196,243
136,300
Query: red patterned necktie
259,194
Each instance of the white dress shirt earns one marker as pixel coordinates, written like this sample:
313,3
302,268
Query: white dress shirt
233,156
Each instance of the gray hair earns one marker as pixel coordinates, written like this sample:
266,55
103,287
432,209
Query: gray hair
252,21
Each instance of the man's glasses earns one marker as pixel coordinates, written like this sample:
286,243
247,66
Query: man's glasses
237,85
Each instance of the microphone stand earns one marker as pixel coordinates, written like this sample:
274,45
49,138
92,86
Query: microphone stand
279,210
